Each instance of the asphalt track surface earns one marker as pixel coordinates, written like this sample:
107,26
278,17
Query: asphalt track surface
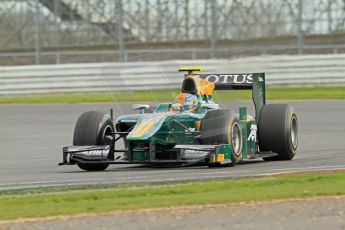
32,137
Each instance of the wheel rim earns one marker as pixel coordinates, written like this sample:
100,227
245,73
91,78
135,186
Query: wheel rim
236,139
294,139
108,130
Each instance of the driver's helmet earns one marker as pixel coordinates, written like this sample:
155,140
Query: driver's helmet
187,101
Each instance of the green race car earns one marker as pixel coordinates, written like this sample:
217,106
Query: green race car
193,130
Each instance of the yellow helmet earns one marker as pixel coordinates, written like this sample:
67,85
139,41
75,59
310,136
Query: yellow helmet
188,102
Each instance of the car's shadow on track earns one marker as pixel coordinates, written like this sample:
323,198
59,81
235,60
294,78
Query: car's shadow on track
143,167
254,161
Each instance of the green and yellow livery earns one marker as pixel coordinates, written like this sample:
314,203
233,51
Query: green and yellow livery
193,129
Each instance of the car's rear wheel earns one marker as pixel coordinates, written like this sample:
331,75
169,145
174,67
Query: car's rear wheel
222,127
277,131
91,129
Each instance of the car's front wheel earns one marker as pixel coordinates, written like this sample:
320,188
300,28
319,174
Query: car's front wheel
91,129
223,127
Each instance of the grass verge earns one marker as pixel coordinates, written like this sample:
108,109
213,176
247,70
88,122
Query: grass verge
169,95
66,202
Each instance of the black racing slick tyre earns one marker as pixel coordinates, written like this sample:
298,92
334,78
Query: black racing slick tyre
277,131
91,129
222,127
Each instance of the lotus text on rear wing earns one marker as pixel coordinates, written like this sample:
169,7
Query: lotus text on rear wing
228,78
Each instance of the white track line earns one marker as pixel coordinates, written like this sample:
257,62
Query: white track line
188,176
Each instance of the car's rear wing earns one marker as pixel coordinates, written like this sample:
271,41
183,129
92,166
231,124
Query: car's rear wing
229,81
249,81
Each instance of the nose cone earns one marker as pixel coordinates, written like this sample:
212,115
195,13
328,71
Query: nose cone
146,127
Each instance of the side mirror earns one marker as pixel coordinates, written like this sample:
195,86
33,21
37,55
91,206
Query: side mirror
209,106
141,107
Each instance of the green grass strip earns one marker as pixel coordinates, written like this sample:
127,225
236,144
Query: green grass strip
169,95
169,195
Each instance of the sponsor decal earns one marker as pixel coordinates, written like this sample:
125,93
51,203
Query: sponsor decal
95,152
220,157
190,129
193,153
128,121
252,134
228,78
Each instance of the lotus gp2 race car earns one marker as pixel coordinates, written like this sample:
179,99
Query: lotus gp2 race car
193,130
